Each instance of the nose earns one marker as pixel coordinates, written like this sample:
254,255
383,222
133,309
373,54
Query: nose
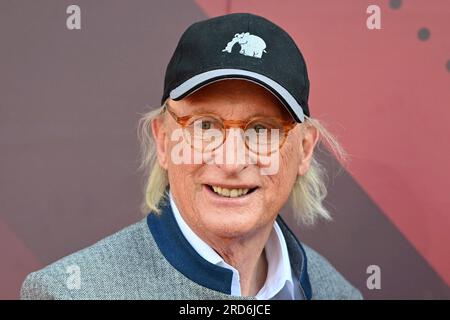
233,155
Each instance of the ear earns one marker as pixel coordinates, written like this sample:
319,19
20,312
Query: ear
309,141
160,135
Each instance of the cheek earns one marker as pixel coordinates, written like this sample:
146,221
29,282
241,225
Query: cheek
182,180
290,157
181,167
183,176
282,183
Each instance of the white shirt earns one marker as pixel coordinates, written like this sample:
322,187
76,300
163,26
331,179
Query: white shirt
279,284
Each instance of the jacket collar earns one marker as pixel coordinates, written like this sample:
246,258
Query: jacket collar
180,254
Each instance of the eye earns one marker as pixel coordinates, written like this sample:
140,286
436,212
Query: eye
206,125
259,127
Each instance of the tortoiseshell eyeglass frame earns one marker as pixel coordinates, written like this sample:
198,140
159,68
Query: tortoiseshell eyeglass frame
183,121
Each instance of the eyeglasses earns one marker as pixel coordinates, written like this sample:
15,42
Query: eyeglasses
205,132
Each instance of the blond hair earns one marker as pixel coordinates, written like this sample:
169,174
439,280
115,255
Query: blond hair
307,195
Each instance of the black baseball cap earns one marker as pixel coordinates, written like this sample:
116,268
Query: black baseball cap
239,46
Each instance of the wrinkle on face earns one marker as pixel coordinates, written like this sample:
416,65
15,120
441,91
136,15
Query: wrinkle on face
229,232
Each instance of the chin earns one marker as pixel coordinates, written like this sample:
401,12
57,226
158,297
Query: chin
227,223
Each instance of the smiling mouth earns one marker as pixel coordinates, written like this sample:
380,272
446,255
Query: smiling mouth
231,192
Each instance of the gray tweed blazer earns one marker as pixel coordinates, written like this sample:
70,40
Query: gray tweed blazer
152,260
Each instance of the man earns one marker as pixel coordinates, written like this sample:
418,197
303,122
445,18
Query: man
231,144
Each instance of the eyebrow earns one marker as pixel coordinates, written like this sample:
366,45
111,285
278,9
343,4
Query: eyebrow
203,111
197,111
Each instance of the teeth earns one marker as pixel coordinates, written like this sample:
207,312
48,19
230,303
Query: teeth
231,193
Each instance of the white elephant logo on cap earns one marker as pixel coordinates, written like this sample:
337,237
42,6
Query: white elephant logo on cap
251,45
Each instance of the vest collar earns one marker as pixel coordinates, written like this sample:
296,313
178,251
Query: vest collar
180,254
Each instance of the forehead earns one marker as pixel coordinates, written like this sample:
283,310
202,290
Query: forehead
233,97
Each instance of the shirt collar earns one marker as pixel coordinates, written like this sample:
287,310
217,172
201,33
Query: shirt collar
279,273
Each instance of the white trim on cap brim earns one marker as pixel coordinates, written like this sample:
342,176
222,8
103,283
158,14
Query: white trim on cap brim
205,76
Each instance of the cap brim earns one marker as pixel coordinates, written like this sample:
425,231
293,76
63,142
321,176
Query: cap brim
200,80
